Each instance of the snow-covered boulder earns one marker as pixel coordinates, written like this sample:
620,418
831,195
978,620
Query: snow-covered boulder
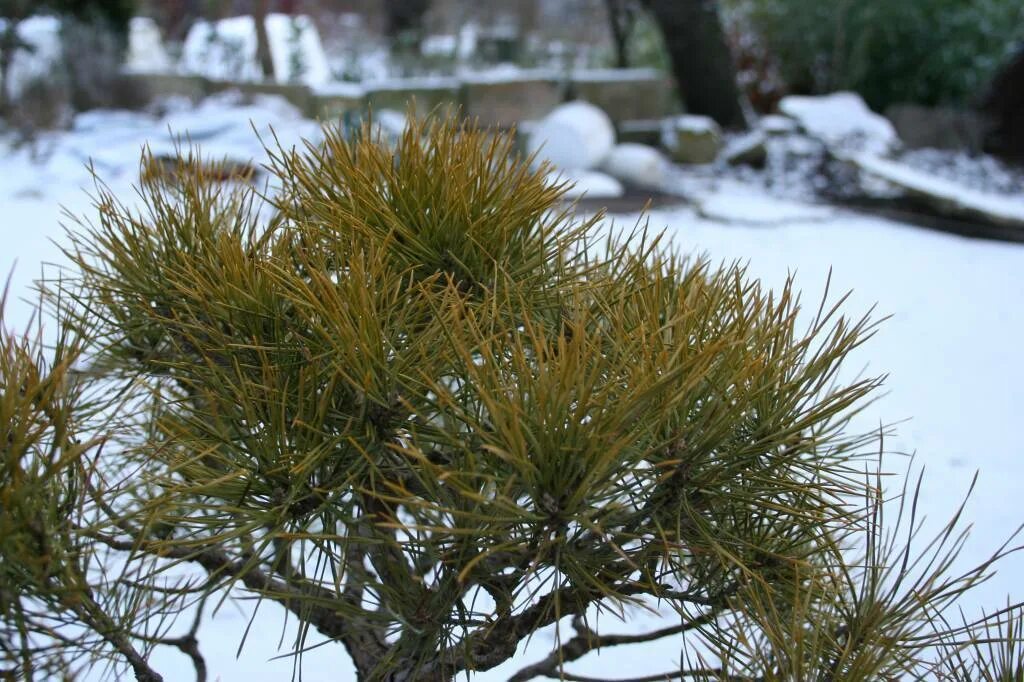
773,124
296,50
146,53
749,149
575,136
843,122
636,164
222,50
692,139
591,184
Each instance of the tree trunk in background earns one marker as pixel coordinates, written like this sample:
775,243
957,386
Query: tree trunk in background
404,16
701,61
621,20
259,15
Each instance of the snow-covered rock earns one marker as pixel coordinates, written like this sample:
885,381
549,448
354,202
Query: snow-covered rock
749,149
296,50
944,196
773,124
222,50
575,136
591,184
146,53
692,139
842,121
636,164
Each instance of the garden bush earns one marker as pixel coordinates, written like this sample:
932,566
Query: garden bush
926,51
414,400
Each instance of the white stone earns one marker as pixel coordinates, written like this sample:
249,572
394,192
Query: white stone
636,164
576,135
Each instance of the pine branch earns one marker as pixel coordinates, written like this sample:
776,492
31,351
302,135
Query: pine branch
587,640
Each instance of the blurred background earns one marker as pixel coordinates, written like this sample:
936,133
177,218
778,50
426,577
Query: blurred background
947,72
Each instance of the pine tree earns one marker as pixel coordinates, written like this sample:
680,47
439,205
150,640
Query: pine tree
426,410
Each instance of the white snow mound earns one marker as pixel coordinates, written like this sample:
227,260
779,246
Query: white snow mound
592,184
576,135
637,164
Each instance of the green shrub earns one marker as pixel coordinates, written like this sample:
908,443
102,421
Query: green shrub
422,408
923,51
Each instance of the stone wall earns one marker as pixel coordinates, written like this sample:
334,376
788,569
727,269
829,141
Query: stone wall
625,94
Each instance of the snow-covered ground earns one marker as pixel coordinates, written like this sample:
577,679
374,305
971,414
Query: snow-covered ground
951,348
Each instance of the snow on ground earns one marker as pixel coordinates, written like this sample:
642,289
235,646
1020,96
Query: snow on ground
951,347
734,203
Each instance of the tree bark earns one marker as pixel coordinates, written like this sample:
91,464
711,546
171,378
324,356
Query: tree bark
701,61
621,18
259,15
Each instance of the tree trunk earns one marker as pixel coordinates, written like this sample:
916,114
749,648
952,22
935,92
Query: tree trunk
259,15
701,61
621,17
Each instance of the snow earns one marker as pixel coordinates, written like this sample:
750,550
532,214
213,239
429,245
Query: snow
42,36
146,53
943,193
296,50
637,164
587,183
733,203
842,120
745,148
439,45
576,135
694,124
951,346
224,50
773,124
602,75
415,83
341,89
504,73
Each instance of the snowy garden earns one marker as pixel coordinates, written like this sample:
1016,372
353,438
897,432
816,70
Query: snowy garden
822,189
